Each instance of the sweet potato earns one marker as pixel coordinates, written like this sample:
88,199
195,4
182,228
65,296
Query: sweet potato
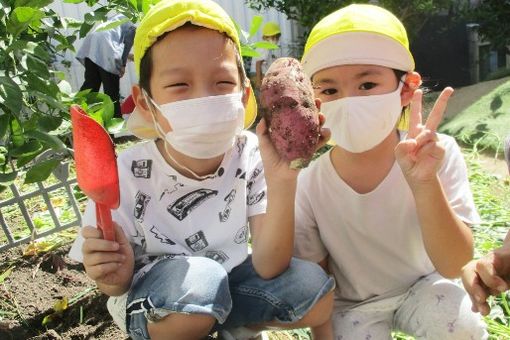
288,105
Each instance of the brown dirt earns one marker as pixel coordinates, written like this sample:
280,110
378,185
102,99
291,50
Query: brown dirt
33,287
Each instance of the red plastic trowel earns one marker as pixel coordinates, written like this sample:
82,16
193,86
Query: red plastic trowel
96,167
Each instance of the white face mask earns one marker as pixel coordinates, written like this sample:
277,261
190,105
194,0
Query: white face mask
360,123
203,127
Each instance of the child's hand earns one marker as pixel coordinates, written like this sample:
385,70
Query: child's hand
273,163
107,262
489,275
420,154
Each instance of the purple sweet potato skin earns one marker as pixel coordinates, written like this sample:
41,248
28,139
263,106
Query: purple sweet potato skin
288,105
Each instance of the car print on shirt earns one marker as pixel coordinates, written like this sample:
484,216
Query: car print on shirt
224,215
241,235
142,168
141,202
217,255
255,198
197,241
184,205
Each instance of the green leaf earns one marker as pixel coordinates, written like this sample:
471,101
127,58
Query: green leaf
74,1
50,140
41,171
8,178
255,25
37,66
265,45
24,160
17,133
105,26
4,125
247,51
10,94
29,148
22,17
49,123
5,274
115,125
32,3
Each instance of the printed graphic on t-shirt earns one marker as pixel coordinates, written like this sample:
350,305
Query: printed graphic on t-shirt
197,241
255,198
160,236
217,255
141,201
241,235
240,173
142,168
171,191
226,212
185,204
240,144
252,179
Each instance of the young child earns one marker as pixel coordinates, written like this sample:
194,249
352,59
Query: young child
271,32
387,211
192,195
489,275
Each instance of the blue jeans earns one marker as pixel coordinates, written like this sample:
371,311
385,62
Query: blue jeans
199,285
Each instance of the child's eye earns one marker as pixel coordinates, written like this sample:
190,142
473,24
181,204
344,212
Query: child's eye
367,86
177,85
226,82
329,92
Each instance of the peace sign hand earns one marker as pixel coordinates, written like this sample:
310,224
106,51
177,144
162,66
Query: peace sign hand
420,154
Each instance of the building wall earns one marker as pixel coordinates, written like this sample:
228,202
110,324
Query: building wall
235,8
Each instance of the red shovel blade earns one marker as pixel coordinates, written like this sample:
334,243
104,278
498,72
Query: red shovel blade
96,167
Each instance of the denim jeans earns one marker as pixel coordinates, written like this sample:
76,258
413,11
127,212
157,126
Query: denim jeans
239,298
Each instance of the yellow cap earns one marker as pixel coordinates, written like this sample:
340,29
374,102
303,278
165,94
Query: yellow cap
358,34
168,15
271,28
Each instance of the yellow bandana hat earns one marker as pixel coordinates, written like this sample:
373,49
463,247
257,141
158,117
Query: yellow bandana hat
358,34
270,29
166,16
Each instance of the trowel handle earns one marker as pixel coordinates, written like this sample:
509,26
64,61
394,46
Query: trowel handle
104,221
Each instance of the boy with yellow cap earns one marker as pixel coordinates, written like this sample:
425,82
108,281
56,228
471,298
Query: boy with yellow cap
386,210
271,32
193,193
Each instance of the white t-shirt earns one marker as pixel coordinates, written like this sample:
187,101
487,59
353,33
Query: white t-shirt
165,213
268,56
374,240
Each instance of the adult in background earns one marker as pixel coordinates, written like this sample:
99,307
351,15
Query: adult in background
104,55
489,275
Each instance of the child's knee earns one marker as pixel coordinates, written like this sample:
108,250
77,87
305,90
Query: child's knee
320,312
181,326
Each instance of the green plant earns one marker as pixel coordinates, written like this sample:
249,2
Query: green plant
34,97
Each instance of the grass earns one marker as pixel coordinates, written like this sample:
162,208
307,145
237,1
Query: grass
484,124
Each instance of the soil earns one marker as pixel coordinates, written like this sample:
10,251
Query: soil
33,287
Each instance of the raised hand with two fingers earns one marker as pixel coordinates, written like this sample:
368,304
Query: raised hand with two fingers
420,155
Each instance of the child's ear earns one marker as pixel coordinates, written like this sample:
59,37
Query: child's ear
141,103
246,93
411,84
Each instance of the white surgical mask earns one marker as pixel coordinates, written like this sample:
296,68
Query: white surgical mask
203,127
360,123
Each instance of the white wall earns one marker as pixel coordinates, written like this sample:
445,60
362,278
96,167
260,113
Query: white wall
236,8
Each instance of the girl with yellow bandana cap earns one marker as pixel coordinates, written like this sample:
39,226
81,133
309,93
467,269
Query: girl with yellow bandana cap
387,210
194,192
